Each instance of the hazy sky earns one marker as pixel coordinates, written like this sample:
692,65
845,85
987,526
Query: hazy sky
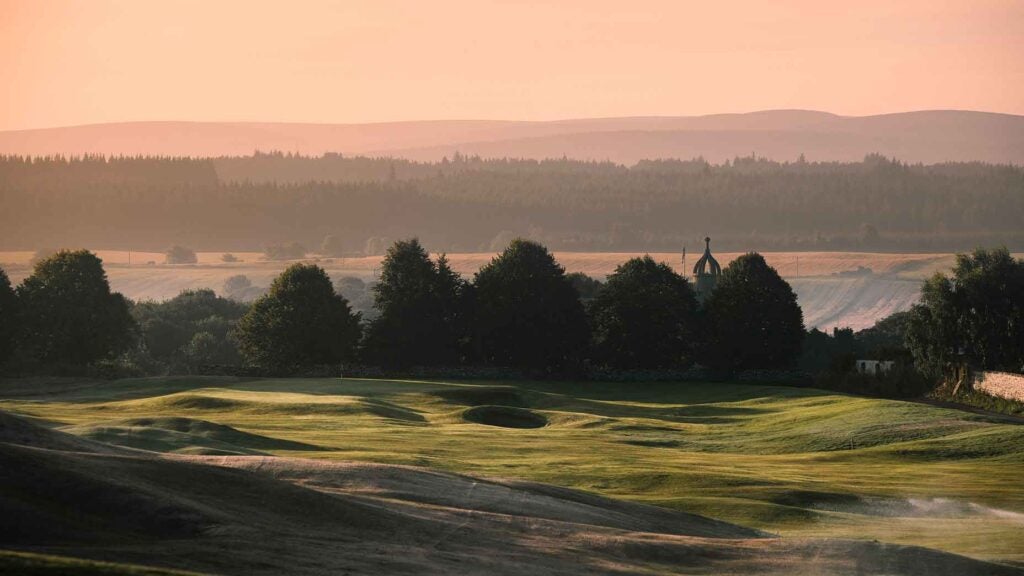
78,61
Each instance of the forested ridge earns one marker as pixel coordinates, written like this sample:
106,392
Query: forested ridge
465,203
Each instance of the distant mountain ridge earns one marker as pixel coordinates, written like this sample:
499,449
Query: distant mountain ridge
926,136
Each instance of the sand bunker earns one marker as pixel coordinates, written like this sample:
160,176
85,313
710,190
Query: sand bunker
504,417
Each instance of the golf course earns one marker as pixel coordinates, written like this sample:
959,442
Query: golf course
631,477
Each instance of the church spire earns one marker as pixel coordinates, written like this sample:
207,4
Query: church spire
706,272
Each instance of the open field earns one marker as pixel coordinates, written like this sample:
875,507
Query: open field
802,463
829,288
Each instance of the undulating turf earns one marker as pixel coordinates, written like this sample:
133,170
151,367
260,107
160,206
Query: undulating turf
25,564
797,462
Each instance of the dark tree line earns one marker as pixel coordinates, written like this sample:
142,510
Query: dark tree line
520,311
461,204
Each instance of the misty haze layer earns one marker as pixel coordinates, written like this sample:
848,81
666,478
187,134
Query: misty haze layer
927,136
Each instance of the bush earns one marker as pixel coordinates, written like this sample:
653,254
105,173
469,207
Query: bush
902,381
169,330
289,251
180,255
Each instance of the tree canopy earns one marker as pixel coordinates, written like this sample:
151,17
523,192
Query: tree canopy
421,318
69,315
300,322
191,330
527,313
976,316
460,205
9,320
645,316
752,319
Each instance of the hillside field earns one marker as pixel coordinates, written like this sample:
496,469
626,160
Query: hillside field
800,463
841,289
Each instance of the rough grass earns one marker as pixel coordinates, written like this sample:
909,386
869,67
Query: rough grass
26,564
796,462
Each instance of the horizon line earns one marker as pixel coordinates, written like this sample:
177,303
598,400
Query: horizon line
509,121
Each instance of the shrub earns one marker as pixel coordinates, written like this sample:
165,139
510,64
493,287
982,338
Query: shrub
169,329
289,251
180,255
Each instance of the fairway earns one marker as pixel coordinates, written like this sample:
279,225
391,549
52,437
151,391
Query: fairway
790,461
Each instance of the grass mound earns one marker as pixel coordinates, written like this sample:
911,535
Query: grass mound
200,402
504,417
187,435
23,431
797,462
26,564
484,396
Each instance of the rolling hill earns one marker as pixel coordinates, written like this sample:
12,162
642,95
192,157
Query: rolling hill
374,476
923,136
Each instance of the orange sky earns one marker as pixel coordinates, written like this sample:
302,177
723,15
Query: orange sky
77,61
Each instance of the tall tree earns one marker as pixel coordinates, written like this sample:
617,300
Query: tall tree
300,322
69,316
977,316
419,306
528,315
752,319
644,317
9,320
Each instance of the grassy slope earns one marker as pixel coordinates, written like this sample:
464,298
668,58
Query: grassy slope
25,564
792,461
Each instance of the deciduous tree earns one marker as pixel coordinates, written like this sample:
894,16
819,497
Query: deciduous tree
420,310
69,315
528,315
300,322
645,316
752,319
